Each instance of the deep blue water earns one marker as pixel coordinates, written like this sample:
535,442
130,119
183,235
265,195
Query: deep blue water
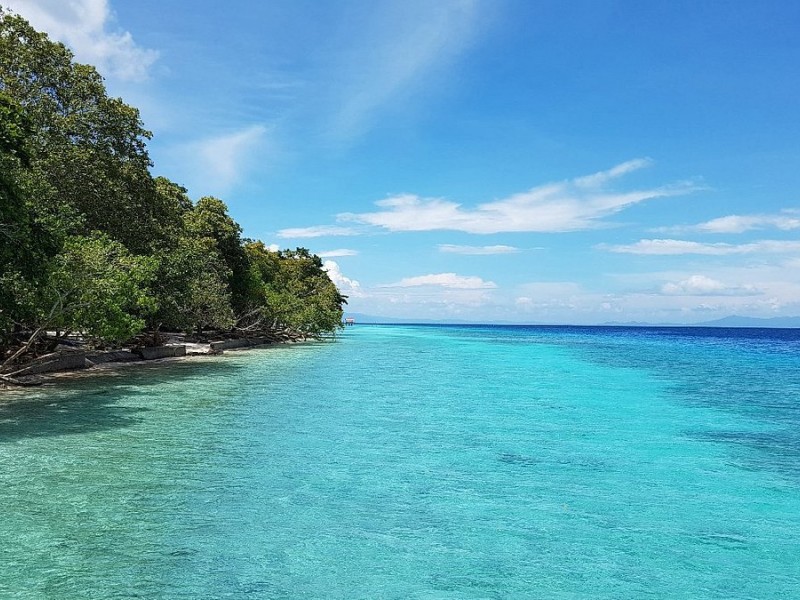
416,462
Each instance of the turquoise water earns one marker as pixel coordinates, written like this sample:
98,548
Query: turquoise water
417,462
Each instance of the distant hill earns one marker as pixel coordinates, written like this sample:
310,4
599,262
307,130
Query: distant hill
731,321
373,319
737,321
646,324
362,318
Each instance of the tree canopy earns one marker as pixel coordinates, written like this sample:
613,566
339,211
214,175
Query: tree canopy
92,243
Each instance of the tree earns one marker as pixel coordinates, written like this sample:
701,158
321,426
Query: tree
23,245
100,288
191,288
14,219
209,219
176,205
90,242
295,290
87,150
95,287
191,284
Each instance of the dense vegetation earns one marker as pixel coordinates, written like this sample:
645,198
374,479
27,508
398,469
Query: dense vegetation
92,243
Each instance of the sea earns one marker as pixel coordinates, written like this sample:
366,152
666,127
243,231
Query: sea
416,462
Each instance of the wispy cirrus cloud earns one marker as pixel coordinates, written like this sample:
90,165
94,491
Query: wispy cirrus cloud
571,205
445,280
337,253
665,247
215,164
87,27
700,285
316,231
785,221
599,179
407,41
477,250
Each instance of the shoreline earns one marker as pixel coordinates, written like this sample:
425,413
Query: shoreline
193,352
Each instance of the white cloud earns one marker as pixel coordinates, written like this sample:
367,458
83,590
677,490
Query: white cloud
477,250
675,247
552,288
738,287
337,253
544,297
770,290
316,231
741,223
446,280
686,297
700,285
429,302
556,207
599,179
215,164
347,286
87,27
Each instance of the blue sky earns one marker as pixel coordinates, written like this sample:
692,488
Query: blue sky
499,160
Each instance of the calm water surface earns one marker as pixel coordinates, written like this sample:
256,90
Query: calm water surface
417,462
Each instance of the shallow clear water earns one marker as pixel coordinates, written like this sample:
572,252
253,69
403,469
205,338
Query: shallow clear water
417,462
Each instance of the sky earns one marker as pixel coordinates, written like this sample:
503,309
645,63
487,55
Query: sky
528,161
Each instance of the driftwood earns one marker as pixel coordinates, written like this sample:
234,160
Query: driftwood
13,372
8,380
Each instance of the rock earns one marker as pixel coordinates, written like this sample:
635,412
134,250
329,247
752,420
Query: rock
154,352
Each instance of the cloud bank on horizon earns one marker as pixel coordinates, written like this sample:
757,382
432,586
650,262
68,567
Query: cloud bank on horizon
479,156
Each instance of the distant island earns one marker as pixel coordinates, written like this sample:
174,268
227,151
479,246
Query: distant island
731,321
95,250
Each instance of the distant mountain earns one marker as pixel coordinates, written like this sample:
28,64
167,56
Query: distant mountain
641,324
737,321
373,319
732,321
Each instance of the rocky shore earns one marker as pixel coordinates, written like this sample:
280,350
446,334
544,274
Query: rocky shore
74,357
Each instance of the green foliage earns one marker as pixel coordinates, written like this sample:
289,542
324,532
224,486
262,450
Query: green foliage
193,279
176,204
209,219
98,288
23,247
15,129
191,288
296,292
87,151
13,216
209,304
90,242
